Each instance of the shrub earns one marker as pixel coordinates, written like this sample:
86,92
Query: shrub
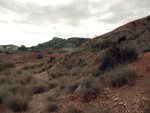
52,84
73,109
51,98
89,86
17,102
72,86
3,93
39,57
6,66
117,55
26,78
63,84
52,106
122,75
39,87
5,80
148,18
60,71
15,88
121,39
81,62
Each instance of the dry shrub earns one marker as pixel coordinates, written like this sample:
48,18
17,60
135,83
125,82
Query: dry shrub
72,86
51,98
117,55
51,106
60,71
5,80
39,87
52,84
75,71
89,86
122,75
3,93
6,66
17,102
73,109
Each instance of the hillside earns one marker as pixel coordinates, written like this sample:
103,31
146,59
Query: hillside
107,74
58,43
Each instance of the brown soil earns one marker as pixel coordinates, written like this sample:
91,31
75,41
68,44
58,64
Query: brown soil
121,100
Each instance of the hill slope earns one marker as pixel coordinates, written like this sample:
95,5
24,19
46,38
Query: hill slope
58,43
107,74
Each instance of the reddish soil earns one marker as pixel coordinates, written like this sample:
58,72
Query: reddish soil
121,100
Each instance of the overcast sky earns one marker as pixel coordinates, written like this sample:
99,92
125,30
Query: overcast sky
30,22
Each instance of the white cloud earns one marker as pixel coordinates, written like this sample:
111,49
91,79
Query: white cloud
30,22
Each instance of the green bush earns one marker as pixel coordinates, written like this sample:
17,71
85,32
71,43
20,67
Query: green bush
39,57
122,75
117,55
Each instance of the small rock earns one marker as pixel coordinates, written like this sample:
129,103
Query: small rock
107,103
116,99
115,104
120,103
124,105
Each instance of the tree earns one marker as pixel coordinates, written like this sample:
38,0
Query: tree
23,48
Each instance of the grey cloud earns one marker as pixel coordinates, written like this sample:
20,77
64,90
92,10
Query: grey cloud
3,21
71,14
123,11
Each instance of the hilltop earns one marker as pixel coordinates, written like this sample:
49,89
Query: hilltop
59,43
107,74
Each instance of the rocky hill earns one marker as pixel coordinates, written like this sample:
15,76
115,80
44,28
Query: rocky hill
107,74
58,43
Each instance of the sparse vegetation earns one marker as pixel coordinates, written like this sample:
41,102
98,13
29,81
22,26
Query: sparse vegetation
6,66
39,87
60,71
17,102
117,55
122,75
89,86
73,109
53,84
52,106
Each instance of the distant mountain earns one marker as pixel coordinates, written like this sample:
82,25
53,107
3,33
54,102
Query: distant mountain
58,43
10,45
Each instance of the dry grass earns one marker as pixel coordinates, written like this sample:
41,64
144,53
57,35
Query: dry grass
89,86
51,106
117,55
122,75
73,109
17,88
17,102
